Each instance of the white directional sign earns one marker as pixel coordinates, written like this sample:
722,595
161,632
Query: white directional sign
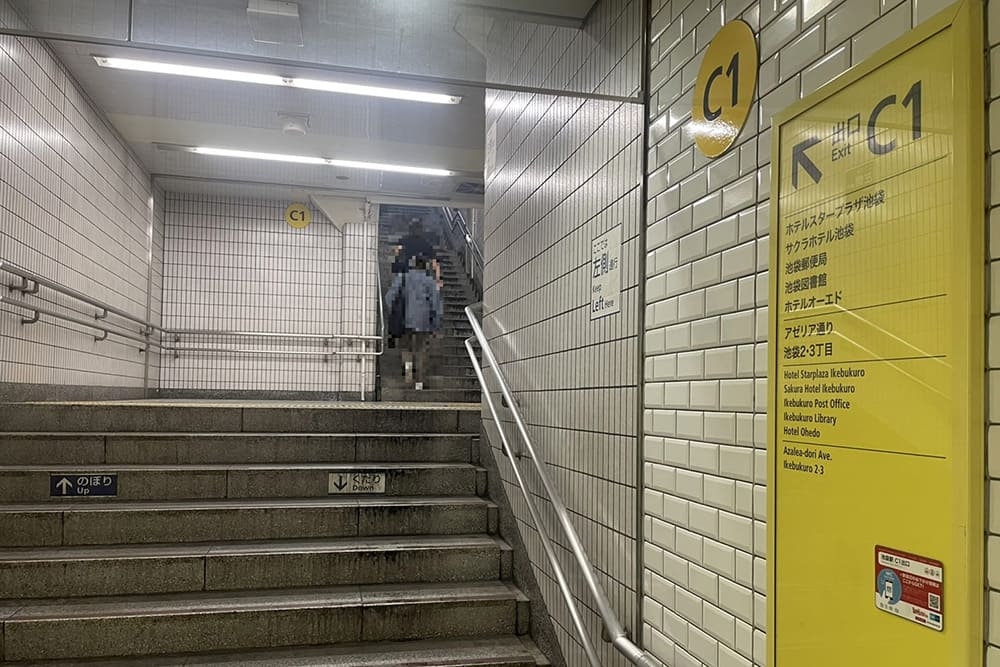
357,481
606,275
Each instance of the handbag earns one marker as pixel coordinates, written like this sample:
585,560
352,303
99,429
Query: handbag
397,313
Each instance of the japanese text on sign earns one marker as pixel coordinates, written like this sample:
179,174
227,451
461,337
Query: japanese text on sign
875,350
605,273
79,485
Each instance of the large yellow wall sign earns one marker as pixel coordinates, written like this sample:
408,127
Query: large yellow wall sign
876,327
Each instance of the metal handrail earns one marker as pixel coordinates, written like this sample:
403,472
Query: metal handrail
28,276
618,636
455,215
148,328
547,546
264,334
142,339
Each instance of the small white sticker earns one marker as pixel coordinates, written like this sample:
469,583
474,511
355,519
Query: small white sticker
357,481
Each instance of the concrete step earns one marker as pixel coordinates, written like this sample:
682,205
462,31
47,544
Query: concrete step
430,395
211,621
237,416
210,481
192,448
88,523
442,363
501,651
454,369
454,381
174,568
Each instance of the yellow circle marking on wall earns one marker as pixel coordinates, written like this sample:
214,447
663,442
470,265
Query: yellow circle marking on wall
298,216
725,88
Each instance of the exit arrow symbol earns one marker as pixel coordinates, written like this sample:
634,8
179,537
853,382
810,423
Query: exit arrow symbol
341,484
64,485
799,158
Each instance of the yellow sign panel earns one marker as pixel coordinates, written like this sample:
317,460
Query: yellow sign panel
876,442
725,88
298,216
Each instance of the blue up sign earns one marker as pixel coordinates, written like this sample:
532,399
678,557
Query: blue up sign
87,484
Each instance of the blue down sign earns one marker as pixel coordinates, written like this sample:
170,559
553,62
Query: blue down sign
75,485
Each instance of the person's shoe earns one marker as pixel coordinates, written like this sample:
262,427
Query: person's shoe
419,386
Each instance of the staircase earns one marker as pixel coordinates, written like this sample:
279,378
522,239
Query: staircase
451,378
232,540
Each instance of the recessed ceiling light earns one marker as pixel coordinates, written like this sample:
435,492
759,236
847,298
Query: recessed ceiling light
306,159
155,67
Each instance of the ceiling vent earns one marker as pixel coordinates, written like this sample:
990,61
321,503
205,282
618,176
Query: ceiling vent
471,188
275,22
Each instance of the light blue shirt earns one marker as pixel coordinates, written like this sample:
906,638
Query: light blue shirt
424,309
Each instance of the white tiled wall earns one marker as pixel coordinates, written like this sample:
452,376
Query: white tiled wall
706,317
568,170
74,207
235,265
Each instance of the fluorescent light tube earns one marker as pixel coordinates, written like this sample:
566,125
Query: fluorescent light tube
187,70
403,169
305,159
374,91
252,155
238,76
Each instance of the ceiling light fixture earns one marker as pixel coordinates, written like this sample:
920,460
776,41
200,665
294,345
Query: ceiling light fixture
305,159
238,76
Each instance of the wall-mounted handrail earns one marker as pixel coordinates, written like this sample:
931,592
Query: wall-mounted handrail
547,546
94,324
618,635
148,328
264,334
276,353
29,276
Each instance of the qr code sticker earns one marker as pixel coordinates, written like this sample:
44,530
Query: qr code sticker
934,601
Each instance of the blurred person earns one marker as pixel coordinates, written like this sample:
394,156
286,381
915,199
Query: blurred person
416,244
415,313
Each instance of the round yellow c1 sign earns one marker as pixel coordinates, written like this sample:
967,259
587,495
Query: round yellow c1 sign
725,88
298,216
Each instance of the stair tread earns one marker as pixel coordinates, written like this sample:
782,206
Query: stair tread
243,503
437,653
267,600
250,547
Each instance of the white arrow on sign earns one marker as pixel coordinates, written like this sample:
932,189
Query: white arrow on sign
64,485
